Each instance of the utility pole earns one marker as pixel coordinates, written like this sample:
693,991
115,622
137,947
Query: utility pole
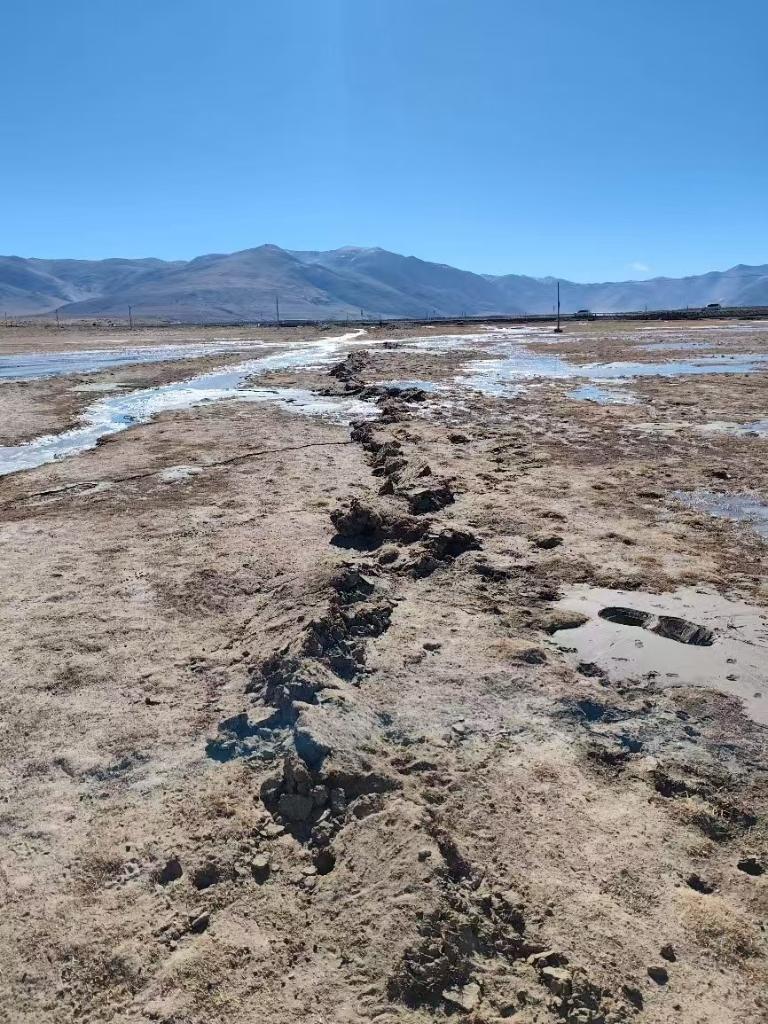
130,317
558,329
57,317
277,309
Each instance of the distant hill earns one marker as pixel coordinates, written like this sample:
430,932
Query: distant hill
333,285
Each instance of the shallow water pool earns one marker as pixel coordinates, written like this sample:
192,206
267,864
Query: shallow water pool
113,413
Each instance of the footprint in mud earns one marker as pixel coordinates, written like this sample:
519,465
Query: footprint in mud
669,626
626,616
683,631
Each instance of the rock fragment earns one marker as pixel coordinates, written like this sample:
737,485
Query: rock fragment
559,619
558,981
260,867
548,542
465,998
430,499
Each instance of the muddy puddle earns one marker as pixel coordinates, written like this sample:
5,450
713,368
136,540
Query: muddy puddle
118,412
757,428
688,638
513,364
739,508
508,364
603,396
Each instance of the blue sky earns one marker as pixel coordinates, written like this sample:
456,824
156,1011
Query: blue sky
591,139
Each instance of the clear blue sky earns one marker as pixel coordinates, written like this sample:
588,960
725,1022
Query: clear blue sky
583,138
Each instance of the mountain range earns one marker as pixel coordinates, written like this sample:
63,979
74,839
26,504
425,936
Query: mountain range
243,286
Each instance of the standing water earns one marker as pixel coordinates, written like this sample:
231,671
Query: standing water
114,413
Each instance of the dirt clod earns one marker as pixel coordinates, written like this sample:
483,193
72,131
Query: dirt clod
658,974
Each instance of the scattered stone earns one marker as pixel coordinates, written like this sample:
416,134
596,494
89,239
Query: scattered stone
430,499
370,803
295,807
391,410
424,854
547,958
357,520
466,998
590,669
237,724
558,981
260,867
668,952
310,745
199,922
349,369
432,645
405,529
658,974
548,542
371,621
351,585
409,394
424,564
559,619
449,543
362,432
490,571
634,995
338,801
319,795
510,909
531,656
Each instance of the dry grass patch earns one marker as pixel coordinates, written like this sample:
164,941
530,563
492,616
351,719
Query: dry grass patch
721,929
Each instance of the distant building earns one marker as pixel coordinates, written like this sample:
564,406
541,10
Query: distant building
714,305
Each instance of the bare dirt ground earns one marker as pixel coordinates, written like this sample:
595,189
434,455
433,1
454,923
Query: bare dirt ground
301,736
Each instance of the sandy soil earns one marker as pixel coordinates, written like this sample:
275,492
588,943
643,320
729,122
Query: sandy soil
302,736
